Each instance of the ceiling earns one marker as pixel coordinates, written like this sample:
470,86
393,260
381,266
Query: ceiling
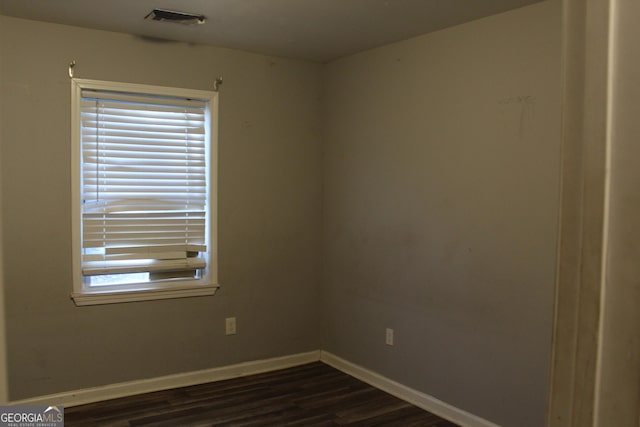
317,30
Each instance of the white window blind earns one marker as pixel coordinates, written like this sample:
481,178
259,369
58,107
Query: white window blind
144,185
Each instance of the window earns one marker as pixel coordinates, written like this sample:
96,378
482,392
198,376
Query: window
143,200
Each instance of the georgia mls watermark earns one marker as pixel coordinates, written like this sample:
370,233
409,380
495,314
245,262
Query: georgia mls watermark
31,416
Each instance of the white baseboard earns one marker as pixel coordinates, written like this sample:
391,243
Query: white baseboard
129,388
403,392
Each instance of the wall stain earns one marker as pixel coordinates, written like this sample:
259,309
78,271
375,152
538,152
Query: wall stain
525,105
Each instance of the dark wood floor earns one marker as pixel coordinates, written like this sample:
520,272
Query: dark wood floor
309,395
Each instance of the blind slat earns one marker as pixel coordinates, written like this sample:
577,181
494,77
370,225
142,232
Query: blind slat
139,98
120,257
151,241
135,162
152,249
93,268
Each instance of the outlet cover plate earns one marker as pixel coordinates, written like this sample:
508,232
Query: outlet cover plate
230,325
389,337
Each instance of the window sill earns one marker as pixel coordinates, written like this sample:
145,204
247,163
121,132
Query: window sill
95,298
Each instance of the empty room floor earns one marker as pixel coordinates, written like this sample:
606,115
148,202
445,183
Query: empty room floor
314,394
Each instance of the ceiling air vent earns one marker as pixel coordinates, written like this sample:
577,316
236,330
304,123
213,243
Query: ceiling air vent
183,18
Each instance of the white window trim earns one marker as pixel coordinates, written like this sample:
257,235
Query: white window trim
81,294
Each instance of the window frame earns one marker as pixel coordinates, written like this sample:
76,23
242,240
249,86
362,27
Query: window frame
83,294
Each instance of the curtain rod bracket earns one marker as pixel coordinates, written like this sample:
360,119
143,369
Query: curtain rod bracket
217,83
72,65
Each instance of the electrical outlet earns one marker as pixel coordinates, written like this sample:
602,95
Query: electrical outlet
389,337
230,325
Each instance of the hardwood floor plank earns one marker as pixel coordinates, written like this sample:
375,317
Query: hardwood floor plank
311,395
368,411
399,417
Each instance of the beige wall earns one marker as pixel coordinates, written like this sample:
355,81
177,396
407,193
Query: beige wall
441,210
269,199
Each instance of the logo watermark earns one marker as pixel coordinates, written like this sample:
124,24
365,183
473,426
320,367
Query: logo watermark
31,416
